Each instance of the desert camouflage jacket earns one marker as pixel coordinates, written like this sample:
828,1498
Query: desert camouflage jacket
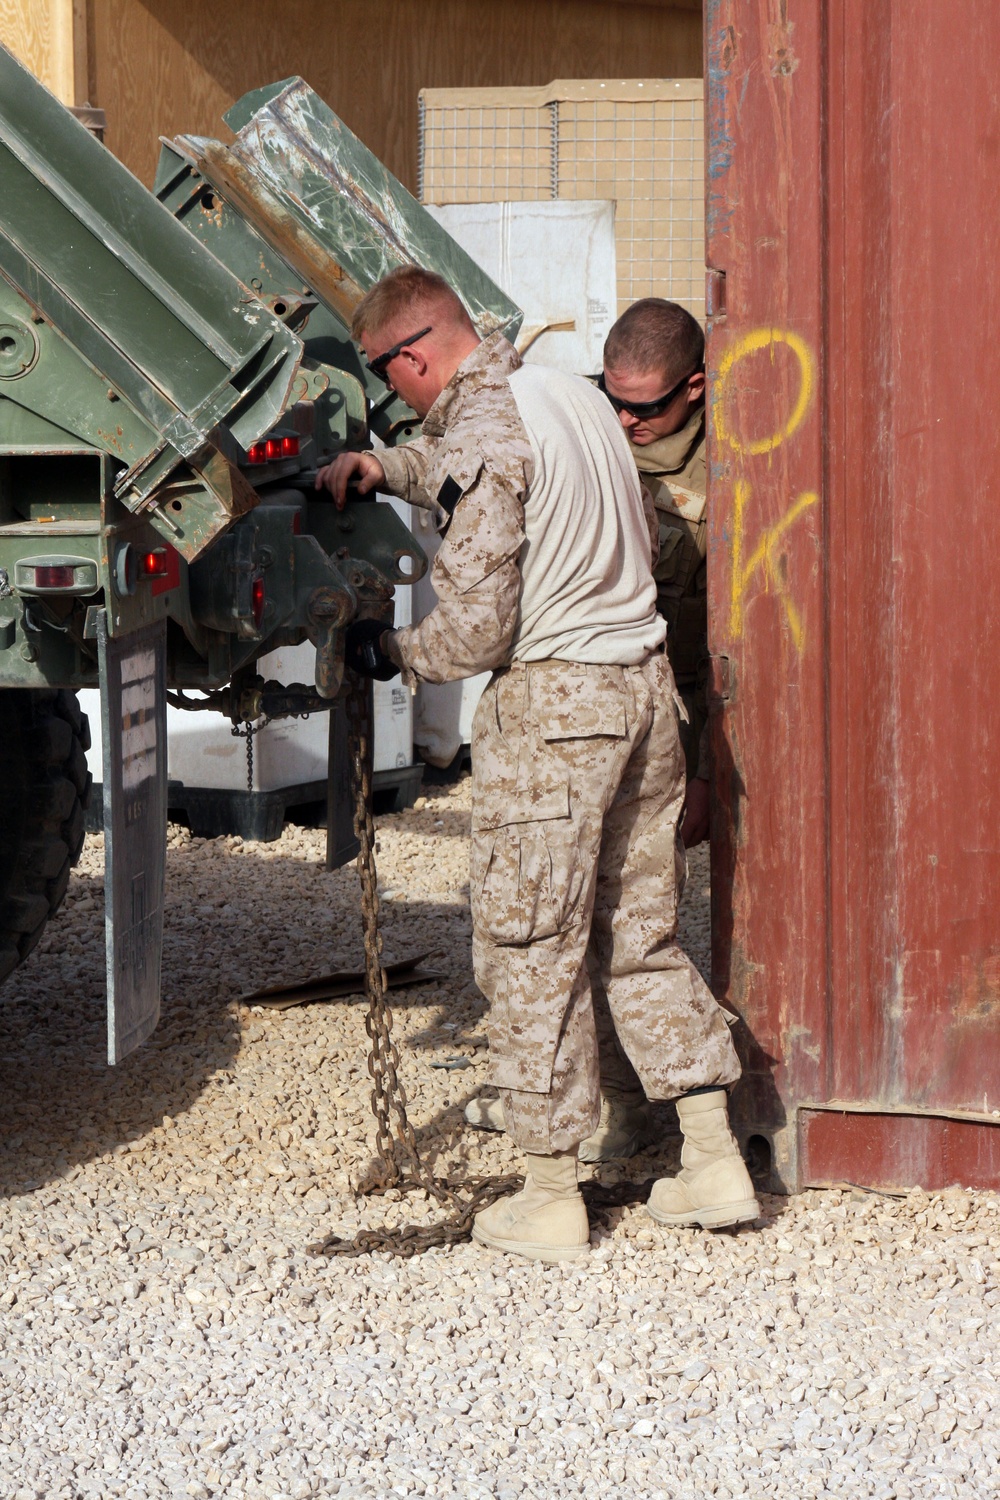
473,449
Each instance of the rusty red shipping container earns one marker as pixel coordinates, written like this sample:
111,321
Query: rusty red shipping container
854,286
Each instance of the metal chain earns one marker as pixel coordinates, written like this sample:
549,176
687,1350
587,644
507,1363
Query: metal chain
399,1165
248,734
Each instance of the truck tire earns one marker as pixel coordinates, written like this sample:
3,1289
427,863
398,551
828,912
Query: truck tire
44,792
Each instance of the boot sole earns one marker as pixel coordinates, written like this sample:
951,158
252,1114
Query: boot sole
725,1217
531,1251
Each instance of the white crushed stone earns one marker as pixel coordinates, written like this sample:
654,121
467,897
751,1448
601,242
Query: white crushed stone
164,1333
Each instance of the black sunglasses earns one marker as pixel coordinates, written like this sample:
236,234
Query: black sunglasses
644,409
381,362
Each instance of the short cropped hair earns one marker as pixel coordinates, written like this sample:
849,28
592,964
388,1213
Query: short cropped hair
656,335
407,289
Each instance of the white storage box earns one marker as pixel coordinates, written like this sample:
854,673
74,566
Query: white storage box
556,260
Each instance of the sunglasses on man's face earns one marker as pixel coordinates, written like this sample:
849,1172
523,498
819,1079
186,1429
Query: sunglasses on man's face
643,410
381,362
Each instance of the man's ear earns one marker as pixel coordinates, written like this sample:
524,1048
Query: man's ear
696,387
418,363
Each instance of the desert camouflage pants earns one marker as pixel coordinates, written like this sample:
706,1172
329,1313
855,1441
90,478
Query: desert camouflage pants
576,871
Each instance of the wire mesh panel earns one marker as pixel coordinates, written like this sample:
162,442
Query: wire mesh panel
484,147
647,154
638,142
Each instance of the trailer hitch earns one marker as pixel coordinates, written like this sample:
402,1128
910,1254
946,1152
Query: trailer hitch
328,611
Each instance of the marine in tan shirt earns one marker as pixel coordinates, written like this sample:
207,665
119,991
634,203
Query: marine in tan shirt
544,574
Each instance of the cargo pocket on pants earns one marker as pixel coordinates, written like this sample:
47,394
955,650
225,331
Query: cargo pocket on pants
526,880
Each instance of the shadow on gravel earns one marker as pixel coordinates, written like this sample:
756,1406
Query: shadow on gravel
235,921
60,1103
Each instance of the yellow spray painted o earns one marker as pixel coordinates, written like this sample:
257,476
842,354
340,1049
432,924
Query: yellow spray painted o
751,343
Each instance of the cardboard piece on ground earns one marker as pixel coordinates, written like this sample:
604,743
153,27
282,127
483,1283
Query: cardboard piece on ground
335,986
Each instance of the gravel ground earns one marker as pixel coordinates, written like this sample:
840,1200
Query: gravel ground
163,1332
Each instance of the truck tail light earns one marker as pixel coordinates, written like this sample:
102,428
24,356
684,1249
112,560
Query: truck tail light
53,576
258,600
154,564
268,449
56,574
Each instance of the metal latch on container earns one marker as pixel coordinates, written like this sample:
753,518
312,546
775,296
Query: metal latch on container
715,294
720,680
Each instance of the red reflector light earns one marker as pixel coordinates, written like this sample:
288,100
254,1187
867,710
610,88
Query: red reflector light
271,448
258,598
297,523
54,576
154,564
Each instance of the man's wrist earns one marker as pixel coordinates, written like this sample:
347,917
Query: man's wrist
395,477
388,645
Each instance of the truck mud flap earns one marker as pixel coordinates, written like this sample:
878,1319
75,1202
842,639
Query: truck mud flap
134,722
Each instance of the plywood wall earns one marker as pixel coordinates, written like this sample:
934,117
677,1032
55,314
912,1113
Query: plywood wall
164,66
50,38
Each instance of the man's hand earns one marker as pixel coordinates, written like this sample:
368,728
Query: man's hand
363,652
694,829
334,476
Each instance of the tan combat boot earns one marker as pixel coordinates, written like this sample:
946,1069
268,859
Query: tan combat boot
624,1128
546,1220
713,1187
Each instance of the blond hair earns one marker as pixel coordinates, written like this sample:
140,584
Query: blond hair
654,335
408,290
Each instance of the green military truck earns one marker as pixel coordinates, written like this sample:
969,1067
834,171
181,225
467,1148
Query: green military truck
172,373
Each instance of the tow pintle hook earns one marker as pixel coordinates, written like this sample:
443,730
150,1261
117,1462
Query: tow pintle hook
329,610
